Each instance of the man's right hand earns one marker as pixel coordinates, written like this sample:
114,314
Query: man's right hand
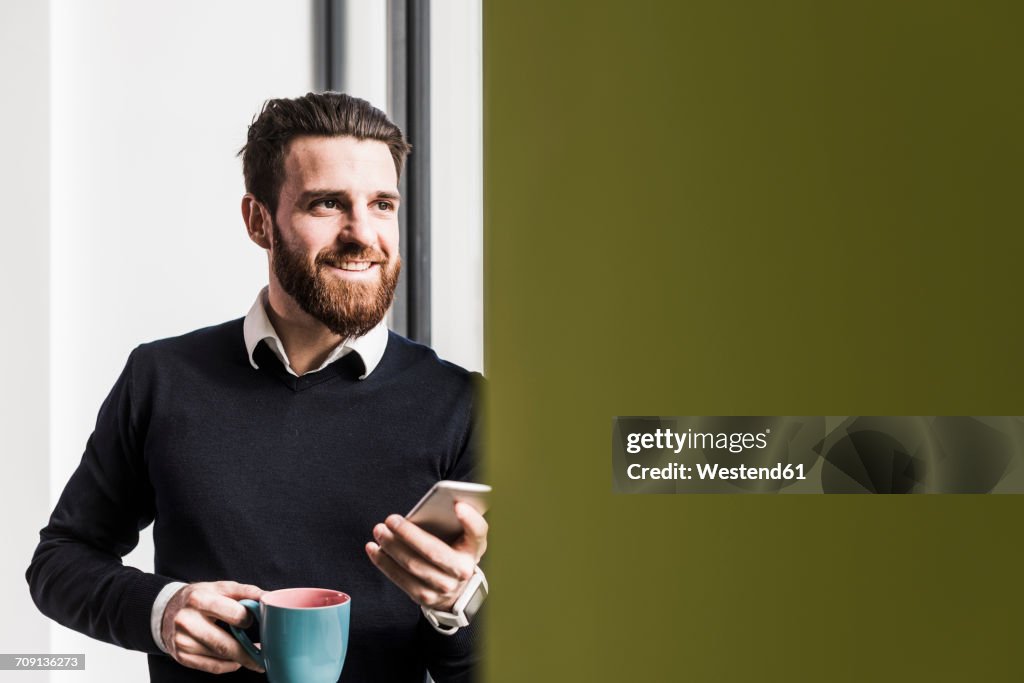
190,634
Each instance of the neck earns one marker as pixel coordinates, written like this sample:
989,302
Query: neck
306,340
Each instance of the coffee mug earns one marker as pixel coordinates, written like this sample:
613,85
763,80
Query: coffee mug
303,634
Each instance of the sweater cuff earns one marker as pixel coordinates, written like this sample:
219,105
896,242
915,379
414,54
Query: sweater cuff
156,615
137,611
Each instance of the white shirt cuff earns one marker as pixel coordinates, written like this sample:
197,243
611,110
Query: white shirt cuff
156,617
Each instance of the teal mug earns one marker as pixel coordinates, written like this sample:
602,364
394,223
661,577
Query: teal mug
303,634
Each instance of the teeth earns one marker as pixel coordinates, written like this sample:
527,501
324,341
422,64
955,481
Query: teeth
355,265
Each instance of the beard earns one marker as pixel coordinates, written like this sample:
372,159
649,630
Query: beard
348,309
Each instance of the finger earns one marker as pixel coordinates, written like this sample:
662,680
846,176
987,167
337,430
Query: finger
474,531
390,569
233,589
186,644
183,642
439,553
413,563
216,605
218,643
208,664
413,587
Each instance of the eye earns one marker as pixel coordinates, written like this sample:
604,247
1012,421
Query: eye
384,205
327,203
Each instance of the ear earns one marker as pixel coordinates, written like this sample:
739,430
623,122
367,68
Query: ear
257,220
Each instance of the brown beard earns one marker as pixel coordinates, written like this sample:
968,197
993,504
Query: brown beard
348,309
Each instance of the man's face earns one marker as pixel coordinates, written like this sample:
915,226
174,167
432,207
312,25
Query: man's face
335,233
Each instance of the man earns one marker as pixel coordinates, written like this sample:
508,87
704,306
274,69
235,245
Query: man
270,449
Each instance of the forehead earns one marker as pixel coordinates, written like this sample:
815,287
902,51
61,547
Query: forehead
342,163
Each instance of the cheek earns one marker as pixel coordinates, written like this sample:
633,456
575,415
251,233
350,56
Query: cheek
313,236
389,239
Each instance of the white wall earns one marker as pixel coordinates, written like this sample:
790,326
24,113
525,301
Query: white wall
150,103
24,295
456,176
365,51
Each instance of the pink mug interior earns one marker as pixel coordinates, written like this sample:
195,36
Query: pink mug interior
304,598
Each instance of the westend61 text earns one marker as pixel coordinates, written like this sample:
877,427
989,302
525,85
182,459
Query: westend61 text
702,471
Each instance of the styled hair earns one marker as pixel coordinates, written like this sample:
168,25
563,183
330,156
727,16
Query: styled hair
328,114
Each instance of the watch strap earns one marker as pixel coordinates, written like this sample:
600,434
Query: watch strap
464,608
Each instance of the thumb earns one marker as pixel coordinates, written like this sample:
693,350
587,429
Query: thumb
238,591
474,531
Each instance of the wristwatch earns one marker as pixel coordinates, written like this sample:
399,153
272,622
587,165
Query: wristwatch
464,608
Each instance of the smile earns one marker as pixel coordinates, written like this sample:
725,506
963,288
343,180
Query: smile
356,265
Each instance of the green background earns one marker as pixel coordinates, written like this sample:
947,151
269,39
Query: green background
762,208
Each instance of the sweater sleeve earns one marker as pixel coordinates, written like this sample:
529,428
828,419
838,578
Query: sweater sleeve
456,658
76,576
466,465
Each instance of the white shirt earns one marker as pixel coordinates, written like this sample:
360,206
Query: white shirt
257,328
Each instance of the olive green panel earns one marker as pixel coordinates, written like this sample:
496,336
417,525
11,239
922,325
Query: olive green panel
748,208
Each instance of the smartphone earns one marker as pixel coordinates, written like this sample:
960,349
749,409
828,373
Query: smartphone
435,512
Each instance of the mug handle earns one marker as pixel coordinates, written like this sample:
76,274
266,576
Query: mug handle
254,652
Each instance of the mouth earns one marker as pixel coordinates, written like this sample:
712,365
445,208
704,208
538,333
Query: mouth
353,269
356,265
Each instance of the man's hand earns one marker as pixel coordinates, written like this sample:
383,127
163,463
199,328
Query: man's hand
190,634
430,571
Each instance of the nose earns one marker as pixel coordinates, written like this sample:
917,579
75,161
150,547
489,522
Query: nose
357,227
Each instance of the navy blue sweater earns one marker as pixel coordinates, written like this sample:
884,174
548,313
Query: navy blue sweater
260,477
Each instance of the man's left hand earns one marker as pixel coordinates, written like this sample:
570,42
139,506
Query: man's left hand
430,571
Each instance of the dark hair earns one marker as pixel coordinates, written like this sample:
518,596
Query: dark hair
328,114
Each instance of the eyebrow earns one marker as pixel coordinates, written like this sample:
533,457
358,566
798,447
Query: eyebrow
320,194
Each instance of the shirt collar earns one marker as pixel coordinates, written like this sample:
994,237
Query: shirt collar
257,328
